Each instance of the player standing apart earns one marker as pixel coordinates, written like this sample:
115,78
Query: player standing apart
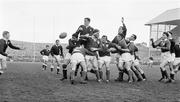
5,42
45,56
164,44
57,54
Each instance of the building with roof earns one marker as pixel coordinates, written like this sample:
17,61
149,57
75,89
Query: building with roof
167,21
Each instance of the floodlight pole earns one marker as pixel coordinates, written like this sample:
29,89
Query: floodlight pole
149,52
53,28
34,48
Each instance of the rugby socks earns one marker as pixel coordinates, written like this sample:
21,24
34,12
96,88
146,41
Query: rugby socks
138,75
107,74
129,76
144,76
83,78
52,67
76,71
172,76
166,74
81,73
133,76
120,76
101,74
86,78
58,69
97,75
72,77
64,72
163,75
44,66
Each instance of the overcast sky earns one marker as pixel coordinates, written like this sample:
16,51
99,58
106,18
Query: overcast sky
43,20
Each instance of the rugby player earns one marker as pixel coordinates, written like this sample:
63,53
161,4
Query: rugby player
78,57
164,44
84,30
135,61
123,57
57,54
5,42
172,51
92,45
45,56
104,57
73,43
176,63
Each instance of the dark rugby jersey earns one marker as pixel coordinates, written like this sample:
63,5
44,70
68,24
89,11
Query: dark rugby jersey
91,43
45,52
165,44
132,47
85,30
72,45
172,45
103,49
177,50
120,42
4,45
56,50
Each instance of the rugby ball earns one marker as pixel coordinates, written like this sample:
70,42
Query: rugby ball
63,35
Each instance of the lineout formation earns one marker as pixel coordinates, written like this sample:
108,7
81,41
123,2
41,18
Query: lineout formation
90,53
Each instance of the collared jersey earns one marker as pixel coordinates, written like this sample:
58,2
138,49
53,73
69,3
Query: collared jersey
57,50
83,30
104,49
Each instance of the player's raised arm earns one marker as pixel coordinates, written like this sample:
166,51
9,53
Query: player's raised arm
124,27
